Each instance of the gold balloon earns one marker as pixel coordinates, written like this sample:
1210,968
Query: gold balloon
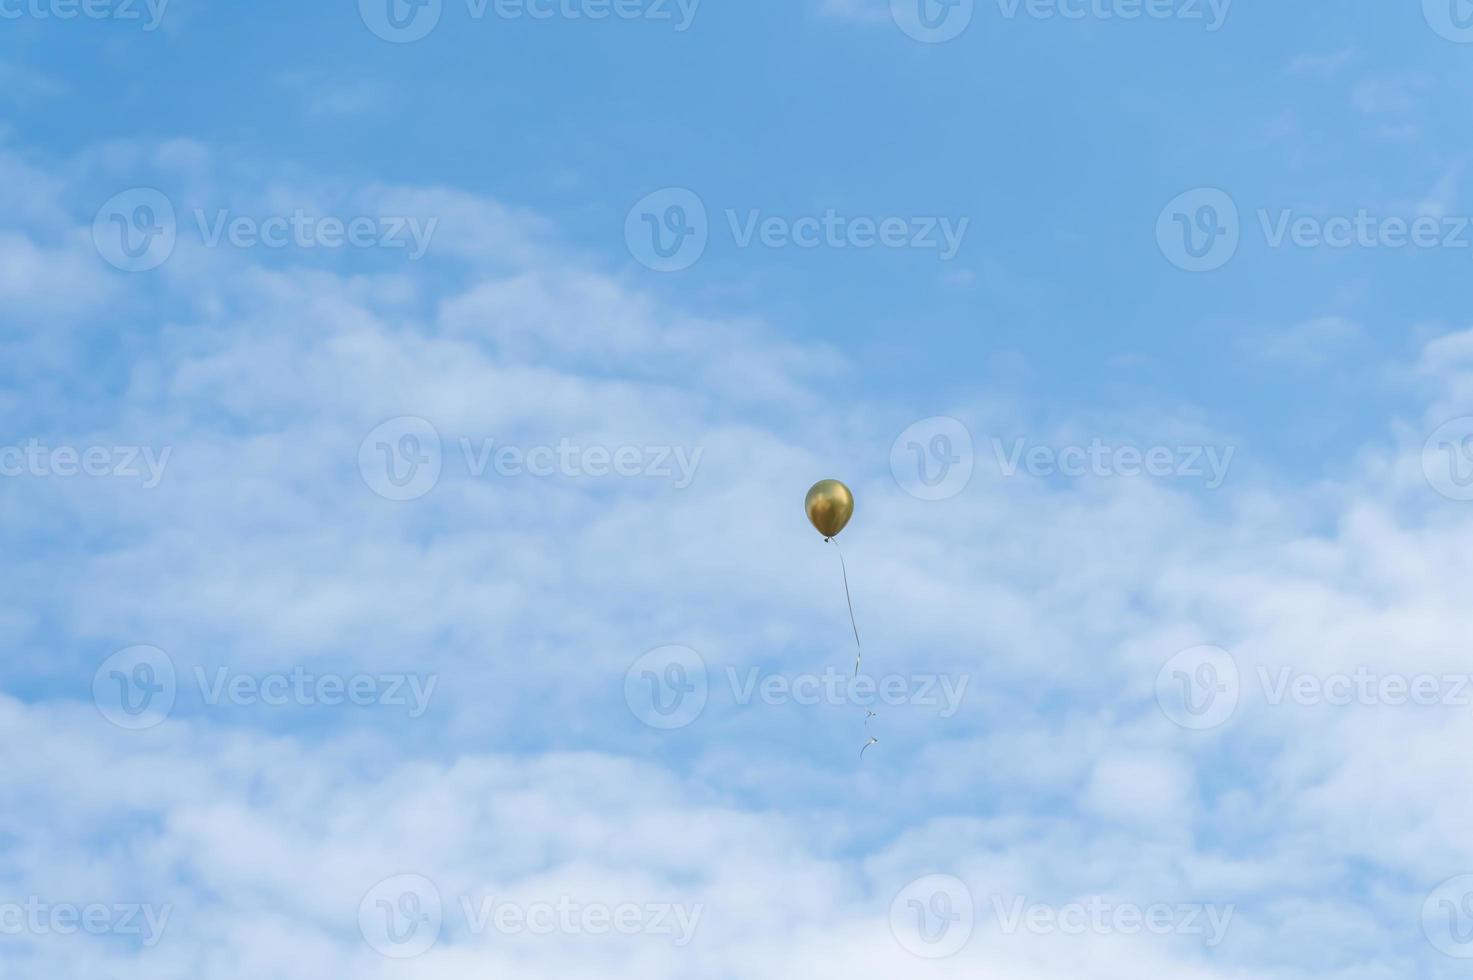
829,505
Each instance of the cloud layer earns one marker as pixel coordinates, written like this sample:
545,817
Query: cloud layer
268,549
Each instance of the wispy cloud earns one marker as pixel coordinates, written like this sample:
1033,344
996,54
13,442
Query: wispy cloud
266,549
1311,343
328,97
21,84
1321,65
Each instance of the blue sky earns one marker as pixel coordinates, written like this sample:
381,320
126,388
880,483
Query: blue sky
398,541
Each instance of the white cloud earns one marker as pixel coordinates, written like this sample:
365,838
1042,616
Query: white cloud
1311,343
327,97
21,84
1134,787
35,279
1388,94
1325,64
1060,777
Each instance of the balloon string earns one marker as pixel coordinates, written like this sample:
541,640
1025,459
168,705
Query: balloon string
858,647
